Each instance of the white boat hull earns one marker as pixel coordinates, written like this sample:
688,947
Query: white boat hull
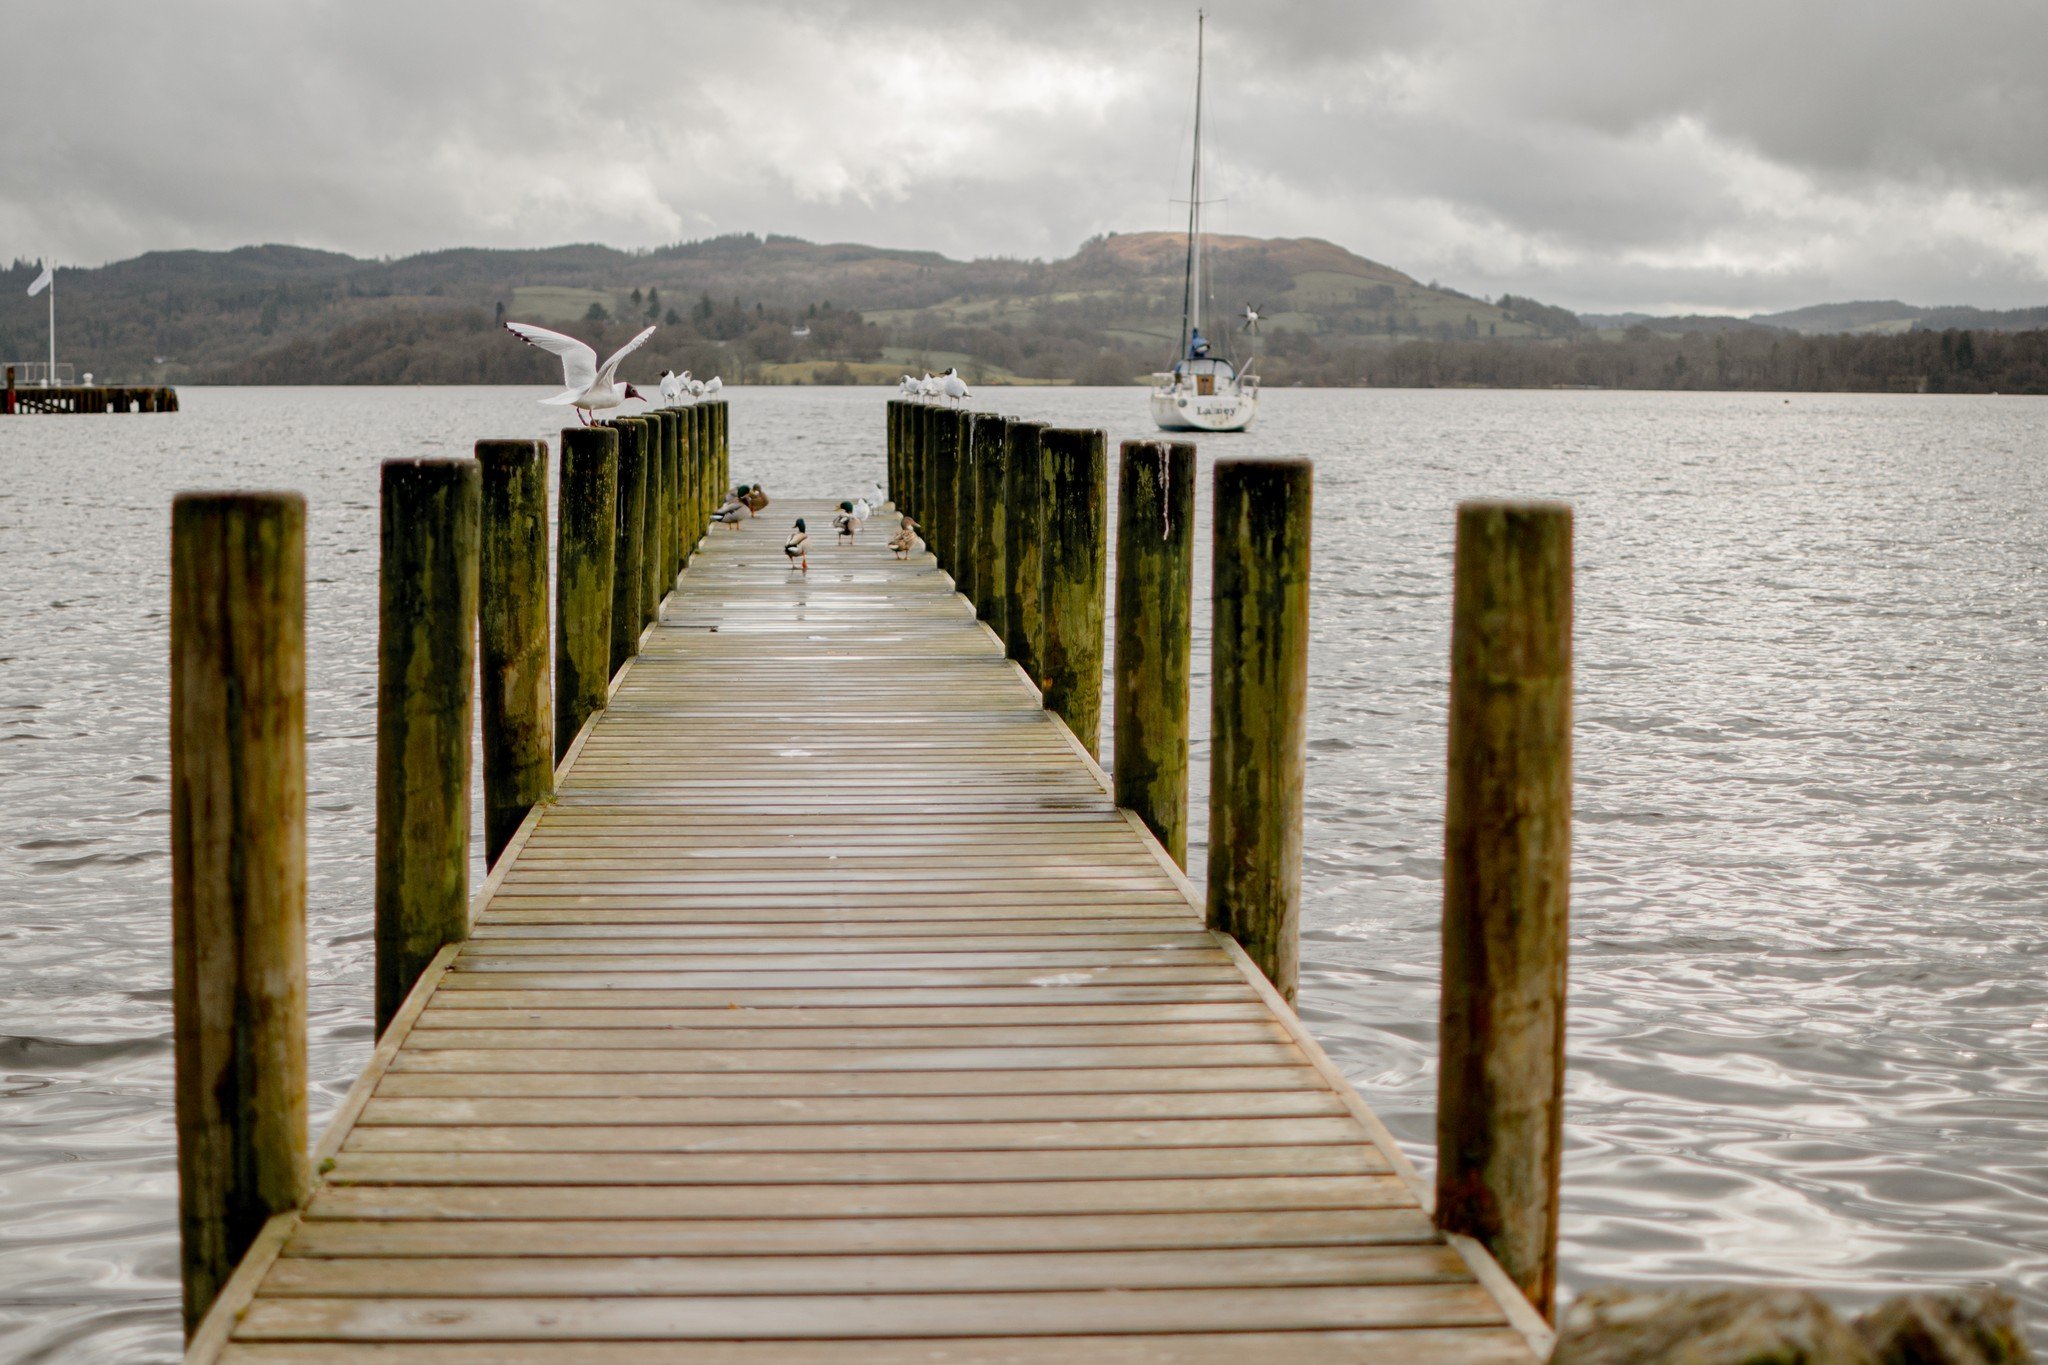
1181,409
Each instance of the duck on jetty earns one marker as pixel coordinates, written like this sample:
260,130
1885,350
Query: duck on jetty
798,547
755,498
905,539
728,513
847,519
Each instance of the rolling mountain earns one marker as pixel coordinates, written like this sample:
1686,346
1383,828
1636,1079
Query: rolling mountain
1108,313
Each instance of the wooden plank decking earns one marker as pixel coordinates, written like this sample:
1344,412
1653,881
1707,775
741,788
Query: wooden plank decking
833,1013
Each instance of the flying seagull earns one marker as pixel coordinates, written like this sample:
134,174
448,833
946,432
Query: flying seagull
591,387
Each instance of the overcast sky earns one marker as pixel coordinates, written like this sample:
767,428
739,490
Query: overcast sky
1720,155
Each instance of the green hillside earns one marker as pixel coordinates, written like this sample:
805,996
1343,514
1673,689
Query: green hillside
776,309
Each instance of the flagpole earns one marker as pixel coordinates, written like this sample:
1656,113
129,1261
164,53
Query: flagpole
53,328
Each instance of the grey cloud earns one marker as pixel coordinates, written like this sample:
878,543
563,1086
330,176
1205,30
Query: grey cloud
1599,153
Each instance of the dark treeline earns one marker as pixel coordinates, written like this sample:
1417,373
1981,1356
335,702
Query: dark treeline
1907,362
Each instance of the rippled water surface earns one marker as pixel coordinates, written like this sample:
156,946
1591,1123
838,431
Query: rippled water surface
1809,1013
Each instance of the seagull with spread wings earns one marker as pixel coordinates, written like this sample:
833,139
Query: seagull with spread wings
590,387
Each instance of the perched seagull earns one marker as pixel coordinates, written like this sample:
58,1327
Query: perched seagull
954,386
671,387
798,546
862,509
591,387
876,499
713,385
696,387
929,386
908,387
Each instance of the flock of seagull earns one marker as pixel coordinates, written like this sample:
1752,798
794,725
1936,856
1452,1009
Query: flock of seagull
590,387
949,386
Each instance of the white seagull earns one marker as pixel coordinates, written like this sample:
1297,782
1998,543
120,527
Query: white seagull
954,386
671,385
696,388
591,387
929,386
908,387
713,385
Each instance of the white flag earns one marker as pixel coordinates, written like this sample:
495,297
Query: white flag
43,281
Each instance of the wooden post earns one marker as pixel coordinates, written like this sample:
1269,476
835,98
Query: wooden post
426,661
991,547
650,528
700,442
931,483
629,515
911,499
945,440
691,514
1076,498
238,873
723,434
967,512
1023,533
658,564
892,491
1258,713
512,637
585,532
1507,888
1155,562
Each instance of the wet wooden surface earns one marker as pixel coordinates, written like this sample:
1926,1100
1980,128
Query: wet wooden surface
833,1013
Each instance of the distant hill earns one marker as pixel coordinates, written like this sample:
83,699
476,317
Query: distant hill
1108,313
1889,315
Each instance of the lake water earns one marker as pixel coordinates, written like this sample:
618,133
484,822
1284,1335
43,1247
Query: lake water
1809,1013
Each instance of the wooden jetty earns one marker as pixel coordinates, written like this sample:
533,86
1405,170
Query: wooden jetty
85,398
832,1010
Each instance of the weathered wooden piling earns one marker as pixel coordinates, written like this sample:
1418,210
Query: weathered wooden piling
893,451
1023,535
658,563
991,551
585,535
426,661
650,525
1155,562
722,438
512,637
967,512
238,873
912,436
1074,562
691,513
1259,704
1507,882
946,488
629,512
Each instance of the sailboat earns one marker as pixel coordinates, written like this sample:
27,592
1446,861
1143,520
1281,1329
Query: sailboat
1202,391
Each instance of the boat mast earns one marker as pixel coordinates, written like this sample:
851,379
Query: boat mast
1191,285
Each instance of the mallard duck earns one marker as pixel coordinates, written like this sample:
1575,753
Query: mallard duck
732,509
755,498
847,519
905,539
798,547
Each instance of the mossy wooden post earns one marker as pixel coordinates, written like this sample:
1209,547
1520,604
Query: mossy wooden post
1155,563
694,514
512,637
1023,534
991,546
650,526
945,486
585,533
629,512
1074,563
890,412
912,498
967,510
700,443
1258,710
426,661
238,873
724,437
659,565
932,482
1507,887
